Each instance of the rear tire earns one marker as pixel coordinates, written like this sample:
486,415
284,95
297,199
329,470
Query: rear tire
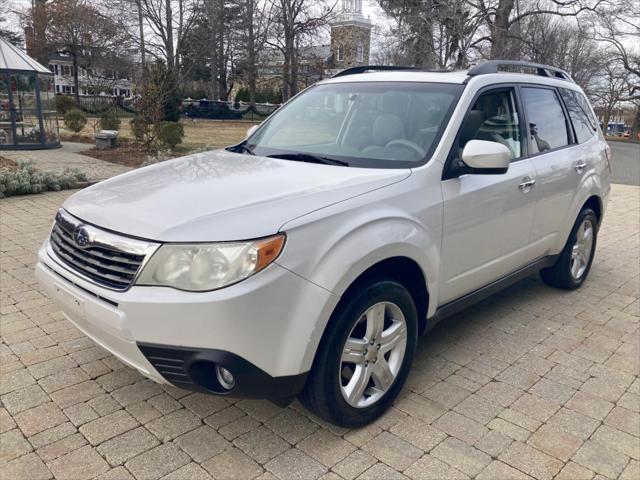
573,266
365,355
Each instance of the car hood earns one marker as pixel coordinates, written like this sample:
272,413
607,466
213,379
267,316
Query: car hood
219,195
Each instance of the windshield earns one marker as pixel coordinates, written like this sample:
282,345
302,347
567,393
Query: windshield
376,124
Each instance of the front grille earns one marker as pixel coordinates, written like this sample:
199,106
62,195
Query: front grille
105,265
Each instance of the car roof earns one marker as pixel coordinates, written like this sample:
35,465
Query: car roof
402,76
454,77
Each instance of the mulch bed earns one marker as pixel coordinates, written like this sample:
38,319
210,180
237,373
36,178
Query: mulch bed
128,154
7,164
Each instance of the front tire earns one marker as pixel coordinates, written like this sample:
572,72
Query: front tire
365,355
573,266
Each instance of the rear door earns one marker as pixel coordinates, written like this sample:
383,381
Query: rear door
487,218
558,160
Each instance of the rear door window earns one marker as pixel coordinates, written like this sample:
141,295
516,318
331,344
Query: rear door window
547,123
583,122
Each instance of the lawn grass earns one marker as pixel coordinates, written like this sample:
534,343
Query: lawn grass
199,134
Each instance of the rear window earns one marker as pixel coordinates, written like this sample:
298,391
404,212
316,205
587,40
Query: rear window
547,123
583,122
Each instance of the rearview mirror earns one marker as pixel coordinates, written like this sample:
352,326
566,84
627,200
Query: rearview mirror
486,157
250,130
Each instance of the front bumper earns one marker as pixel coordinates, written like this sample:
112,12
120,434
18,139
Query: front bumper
264,330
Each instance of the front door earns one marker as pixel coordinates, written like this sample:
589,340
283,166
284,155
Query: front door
487,218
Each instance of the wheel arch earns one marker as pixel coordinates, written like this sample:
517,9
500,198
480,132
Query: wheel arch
406,272
594,202
588,195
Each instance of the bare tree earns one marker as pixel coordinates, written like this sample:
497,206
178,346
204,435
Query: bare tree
168,23
568,45
254,28
503,19
151,104
433,33
611,91
619,28
78,29
294,22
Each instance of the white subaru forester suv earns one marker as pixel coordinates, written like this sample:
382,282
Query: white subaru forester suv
307,259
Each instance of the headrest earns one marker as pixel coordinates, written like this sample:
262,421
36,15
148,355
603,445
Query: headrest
387,127
396,103
471,126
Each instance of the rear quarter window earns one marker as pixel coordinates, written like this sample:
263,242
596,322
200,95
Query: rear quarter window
580,114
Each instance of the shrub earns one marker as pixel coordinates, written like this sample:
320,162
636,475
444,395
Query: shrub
171,134
109,120
64,103
75,120
263,95
242,95
142,129
27,179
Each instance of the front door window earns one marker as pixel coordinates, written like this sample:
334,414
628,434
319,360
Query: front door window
494,118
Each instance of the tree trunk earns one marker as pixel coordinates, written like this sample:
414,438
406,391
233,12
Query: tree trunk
289,60
293,79
251,53
143,62
214,70
222,64
635,127
605,119
500,30
169,38
76,83
285,77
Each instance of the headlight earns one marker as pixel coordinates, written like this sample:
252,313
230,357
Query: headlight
200,267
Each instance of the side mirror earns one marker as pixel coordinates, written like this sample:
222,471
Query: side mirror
486,157
250,130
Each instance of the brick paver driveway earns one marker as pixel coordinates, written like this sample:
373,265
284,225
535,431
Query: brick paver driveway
535,382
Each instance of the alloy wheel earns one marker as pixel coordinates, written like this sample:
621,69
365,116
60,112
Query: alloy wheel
373,354
581,251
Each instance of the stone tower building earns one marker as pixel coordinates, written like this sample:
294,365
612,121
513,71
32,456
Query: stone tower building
350,36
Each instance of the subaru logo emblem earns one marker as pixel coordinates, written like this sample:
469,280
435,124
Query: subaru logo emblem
81,236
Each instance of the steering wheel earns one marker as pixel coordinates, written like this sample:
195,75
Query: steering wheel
408,144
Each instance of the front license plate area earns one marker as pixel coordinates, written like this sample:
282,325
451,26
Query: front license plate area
71,304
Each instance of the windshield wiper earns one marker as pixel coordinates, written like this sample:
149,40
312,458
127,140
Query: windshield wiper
308,157
241,148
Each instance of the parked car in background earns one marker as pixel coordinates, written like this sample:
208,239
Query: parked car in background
308,259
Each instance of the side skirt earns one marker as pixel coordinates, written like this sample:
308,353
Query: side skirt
451,308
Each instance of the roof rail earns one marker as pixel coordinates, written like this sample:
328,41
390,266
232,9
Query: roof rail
372,68
493,66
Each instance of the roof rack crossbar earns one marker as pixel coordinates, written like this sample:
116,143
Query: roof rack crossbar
493,66
372,68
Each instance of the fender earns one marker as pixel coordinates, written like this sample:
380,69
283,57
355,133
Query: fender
350,237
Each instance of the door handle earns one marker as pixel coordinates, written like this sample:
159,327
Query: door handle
580,166
526,184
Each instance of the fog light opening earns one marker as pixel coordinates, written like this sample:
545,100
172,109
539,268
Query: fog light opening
225,378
